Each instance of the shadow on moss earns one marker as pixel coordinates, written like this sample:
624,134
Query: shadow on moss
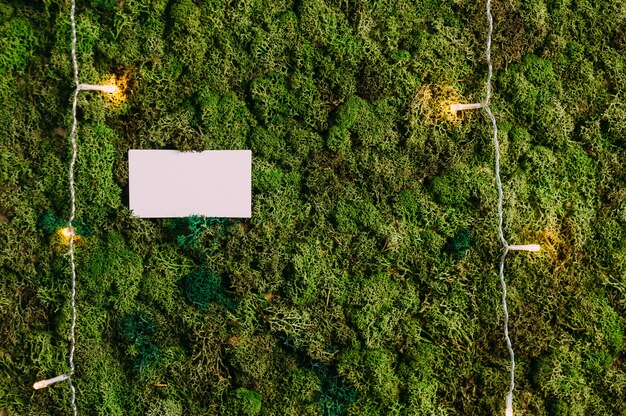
135,332
462,242
197,232
203,288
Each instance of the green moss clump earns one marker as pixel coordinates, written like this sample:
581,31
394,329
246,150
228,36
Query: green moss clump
95,184
339,140
165,407
533,85
197,232
302,388
243,402
111,273
188,40
335,397
18,43
272,99
345,292
50,222
225,119
450,189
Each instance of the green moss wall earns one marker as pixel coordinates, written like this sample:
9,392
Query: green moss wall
365,282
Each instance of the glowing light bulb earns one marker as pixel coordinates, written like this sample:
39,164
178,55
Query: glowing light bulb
461,107
66,234
45,383
525,247
114,89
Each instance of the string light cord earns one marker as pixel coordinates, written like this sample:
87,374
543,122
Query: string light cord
505,244
69,231
506,247
73,208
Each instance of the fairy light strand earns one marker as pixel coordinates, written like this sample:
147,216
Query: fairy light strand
505,244
509,345
70,231
73,208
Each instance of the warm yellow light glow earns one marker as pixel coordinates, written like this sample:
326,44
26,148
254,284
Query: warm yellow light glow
431,105
114,89
66,235
117,91
447,97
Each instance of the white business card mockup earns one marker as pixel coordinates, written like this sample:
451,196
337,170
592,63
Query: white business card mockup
169,183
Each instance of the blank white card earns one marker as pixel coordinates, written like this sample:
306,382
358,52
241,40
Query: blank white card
169,183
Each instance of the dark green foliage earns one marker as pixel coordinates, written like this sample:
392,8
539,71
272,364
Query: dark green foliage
334,397
136,332
203,288
199,233
462,241
104,4
82,229
111,273
135,326
18,42
50,223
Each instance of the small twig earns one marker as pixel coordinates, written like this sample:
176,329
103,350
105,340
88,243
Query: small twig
328,296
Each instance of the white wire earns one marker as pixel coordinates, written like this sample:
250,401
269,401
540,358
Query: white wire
73,208
509,397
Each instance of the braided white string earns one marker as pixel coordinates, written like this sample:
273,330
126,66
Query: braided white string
509,397
73,209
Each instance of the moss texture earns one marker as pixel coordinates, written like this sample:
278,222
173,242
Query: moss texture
365,282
